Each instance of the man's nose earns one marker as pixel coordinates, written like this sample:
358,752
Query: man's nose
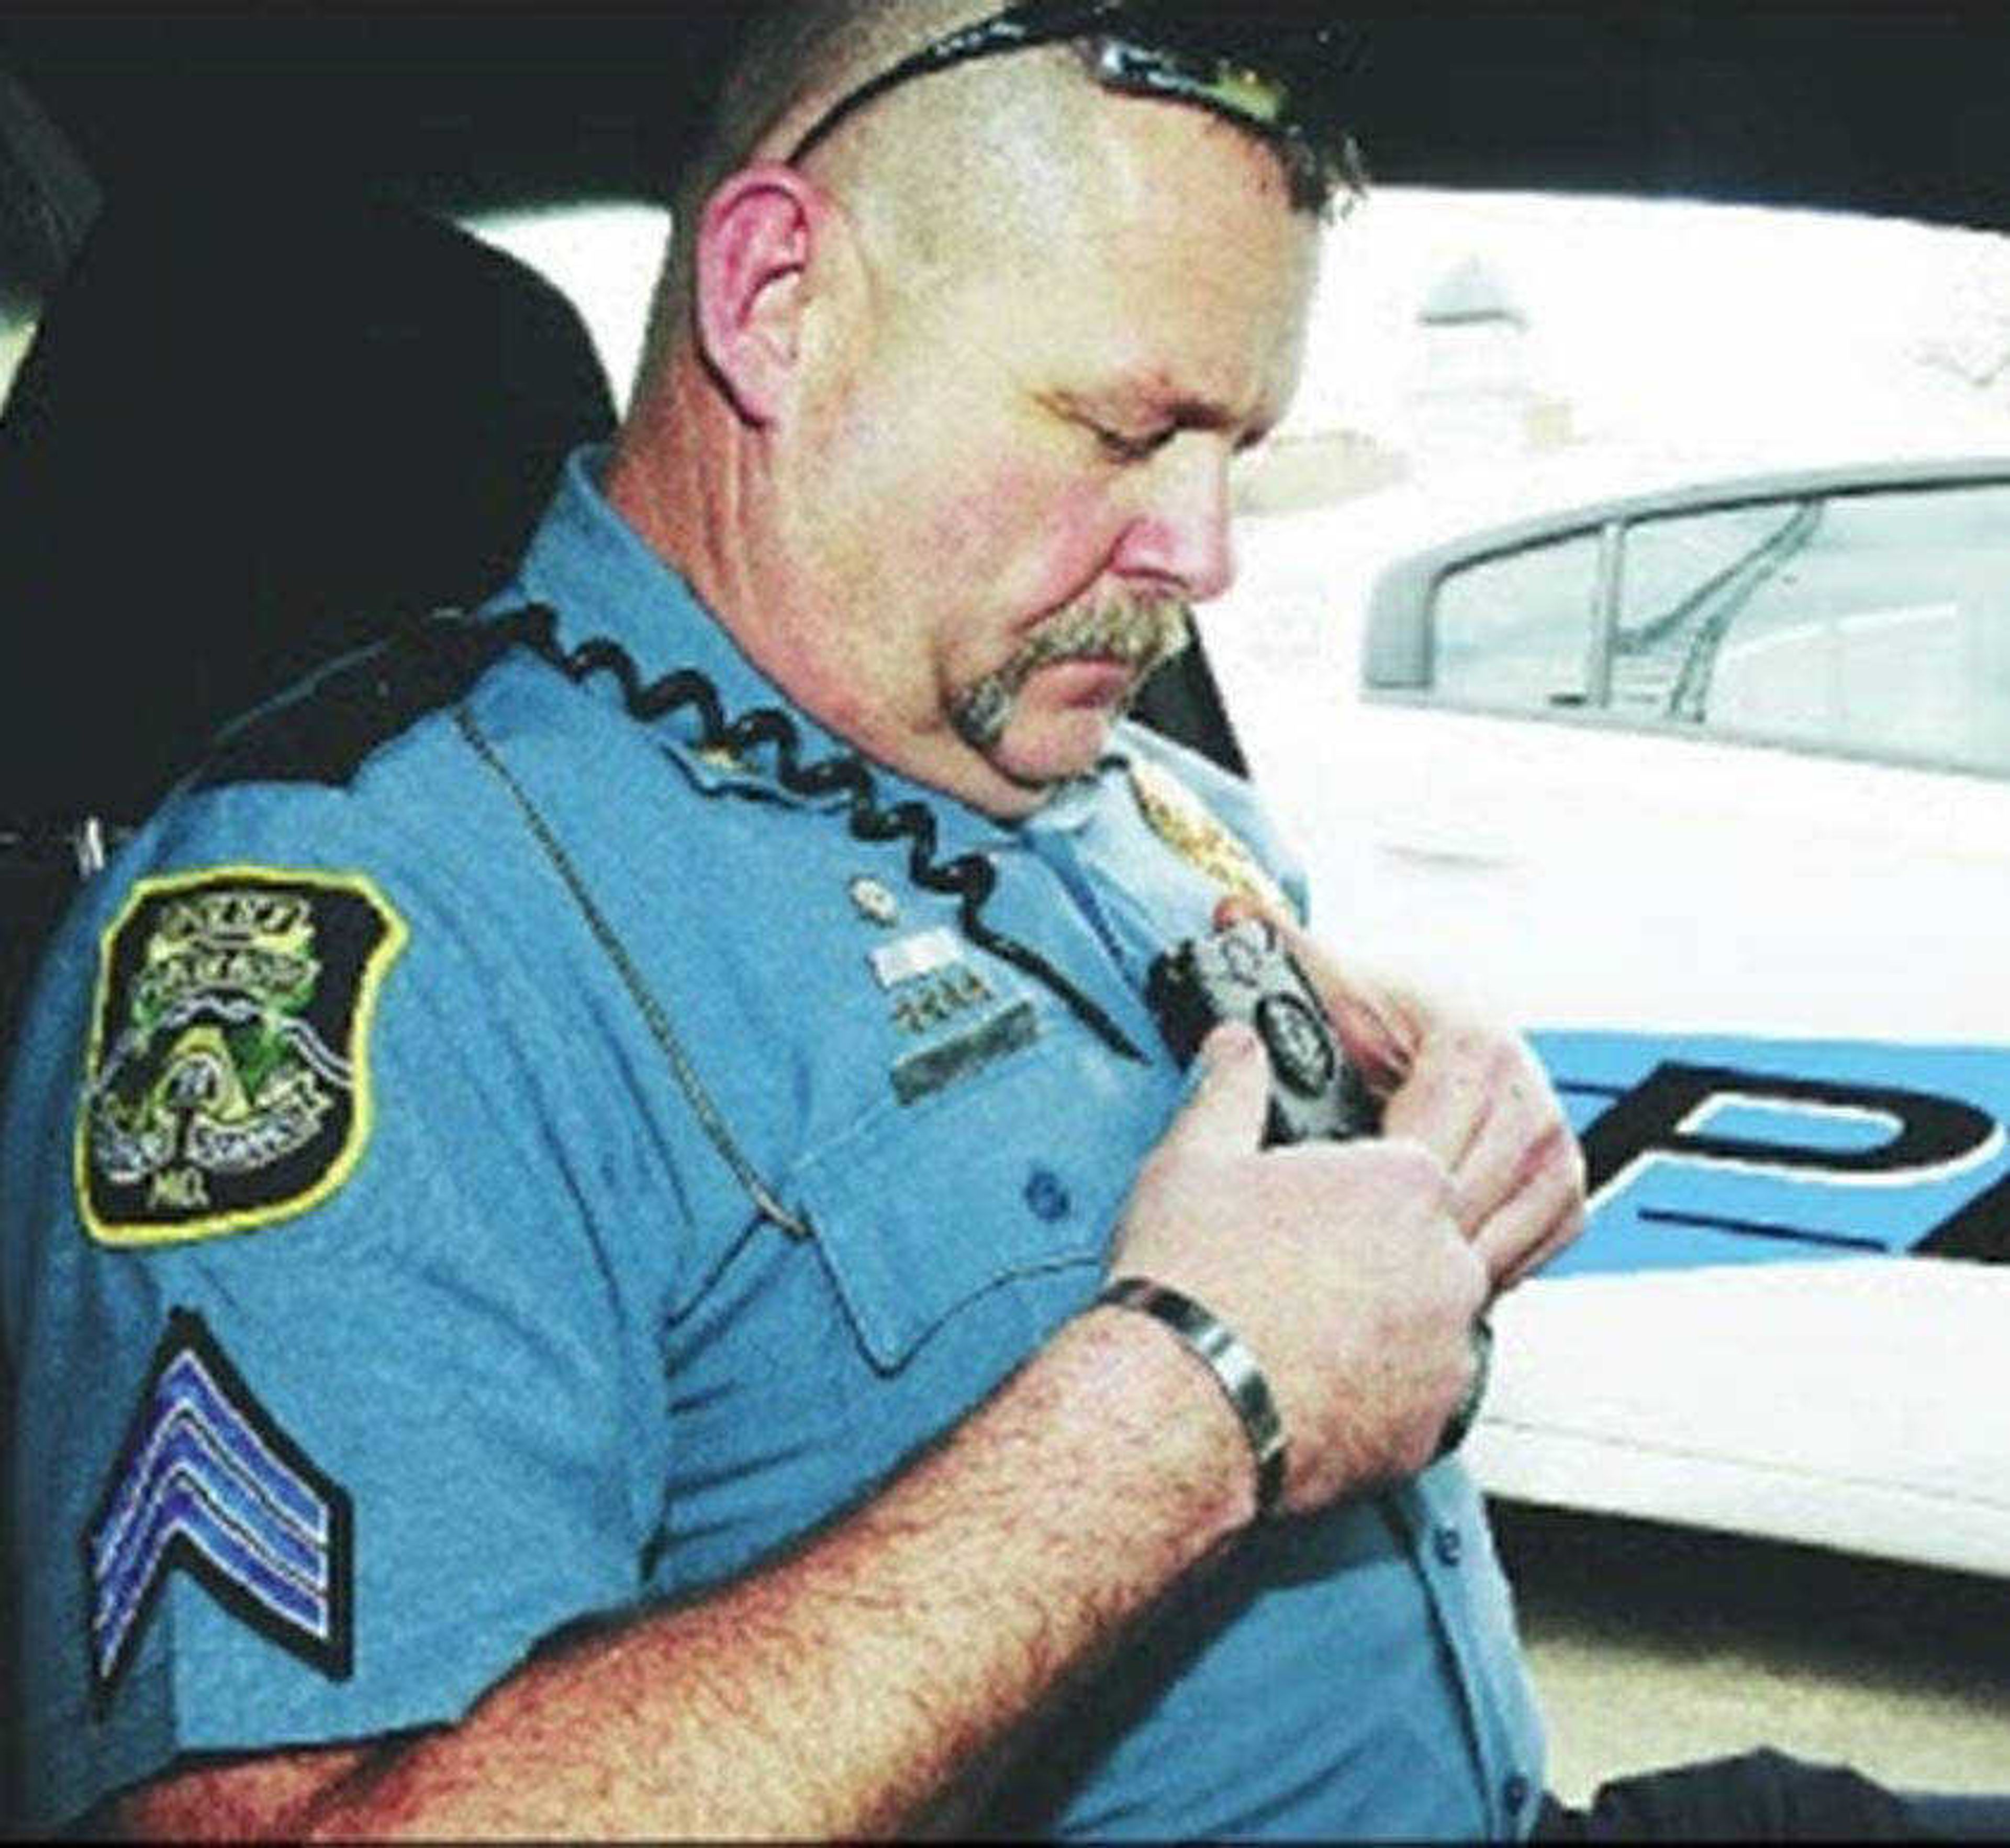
1179,533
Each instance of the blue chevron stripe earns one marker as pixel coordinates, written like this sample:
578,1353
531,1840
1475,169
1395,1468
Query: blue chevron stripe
180,1428
208,1484
185,1453
181,1509
186,1385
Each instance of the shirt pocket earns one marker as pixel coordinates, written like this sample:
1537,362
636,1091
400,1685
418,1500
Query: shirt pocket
989,1206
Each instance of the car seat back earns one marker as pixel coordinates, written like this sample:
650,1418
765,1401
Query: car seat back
244,442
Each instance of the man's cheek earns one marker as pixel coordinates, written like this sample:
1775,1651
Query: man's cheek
1080,532
1024,540
971,508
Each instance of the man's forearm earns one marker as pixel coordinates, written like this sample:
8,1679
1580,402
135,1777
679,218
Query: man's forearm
841,1691
844,1690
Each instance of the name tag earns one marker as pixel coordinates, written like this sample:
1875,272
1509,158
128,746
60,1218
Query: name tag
924,953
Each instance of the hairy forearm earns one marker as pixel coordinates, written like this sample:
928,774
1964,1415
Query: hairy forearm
841,1691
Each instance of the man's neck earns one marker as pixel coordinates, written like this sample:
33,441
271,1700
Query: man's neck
676,508
696,519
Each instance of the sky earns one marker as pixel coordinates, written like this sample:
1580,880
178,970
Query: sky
1677,322
1740,333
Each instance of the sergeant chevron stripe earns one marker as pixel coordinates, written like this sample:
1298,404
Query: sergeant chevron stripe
208,1484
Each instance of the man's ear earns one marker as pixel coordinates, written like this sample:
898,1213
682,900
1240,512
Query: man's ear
762,228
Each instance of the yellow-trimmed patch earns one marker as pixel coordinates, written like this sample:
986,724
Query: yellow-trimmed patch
228,1080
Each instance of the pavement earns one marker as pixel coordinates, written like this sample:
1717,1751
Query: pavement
1654,1645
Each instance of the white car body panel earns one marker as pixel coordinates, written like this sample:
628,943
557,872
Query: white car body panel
1857,1404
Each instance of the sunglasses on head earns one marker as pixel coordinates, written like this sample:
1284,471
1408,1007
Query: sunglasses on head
1277,80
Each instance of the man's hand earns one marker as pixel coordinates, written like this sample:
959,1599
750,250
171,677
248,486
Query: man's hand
1470,1091
1342,1266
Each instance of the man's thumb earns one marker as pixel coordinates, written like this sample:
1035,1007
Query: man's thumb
1228,1105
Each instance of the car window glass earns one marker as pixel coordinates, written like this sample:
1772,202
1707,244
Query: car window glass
1681,582
1671,564
605,254
1515,630
1872,623
1877,624
47,200
17,330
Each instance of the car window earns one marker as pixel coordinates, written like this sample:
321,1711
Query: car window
47,199
605,254
1872,623
1499,388
17,332
1516,630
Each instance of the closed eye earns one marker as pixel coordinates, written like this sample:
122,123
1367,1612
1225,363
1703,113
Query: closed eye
1123,446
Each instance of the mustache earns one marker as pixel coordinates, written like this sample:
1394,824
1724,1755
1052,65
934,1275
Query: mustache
1143,633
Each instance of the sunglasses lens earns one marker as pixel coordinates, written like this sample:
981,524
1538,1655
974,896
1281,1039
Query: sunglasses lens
1233,89
1282,77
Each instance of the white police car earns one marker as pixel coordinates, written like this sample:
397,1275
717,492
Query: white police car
1708,787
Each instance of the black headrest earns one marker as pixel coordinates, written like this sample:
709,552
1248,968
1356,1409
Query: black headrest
48,199
246,440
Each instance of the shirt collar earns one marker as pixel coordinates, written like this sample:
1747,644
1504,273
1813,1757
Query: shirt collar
594,571
1072,806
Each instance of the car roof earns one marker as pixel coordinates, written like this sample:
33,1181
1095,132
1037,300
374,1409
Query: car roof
1882,106
1396,652
1694,497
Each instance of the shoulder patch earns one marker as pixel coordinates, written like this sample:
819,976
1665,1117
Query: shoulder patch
228,1084
1187,825
206,1484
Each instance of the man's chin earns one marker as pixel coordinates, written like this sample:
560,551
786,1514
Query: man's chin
1040,750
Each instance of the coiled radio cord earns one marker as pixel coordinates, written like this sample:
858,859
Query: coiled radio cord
969,878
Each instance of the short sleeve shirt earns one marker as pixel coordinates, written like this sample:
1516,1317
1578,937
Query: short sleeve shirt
562,1156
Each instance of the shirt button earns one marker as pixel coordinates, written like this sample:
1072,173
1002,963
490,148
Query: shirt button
1449,1544
1515,1793
1045,1195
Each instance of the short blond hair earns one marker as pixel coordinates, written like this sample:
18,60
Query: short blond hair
796,58
788,62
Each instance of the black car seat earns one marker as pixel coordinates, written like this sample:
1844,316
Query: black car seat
47,199
244,441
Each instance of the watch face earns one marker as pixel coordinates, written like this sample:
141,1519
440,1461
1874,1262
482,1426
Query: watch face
1300,1049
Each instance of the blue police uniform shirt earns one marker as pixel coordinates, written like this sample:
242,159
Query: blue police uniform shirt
670,1188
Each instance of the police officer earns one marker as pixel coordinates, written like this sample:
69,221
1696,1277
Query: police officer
598,1235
